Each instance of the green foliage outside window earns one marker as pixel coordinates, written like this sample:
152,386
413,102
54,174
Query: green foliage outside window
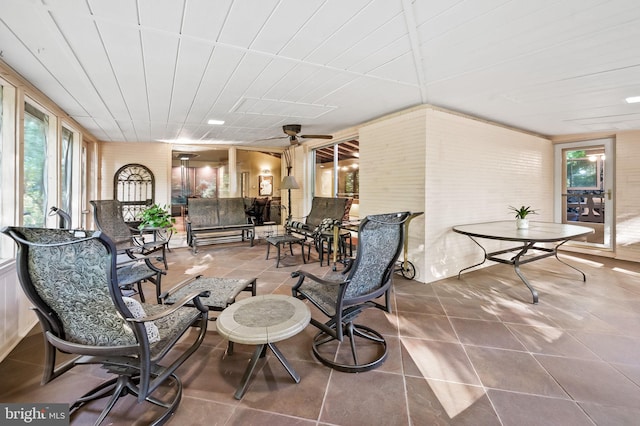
581,172
35,166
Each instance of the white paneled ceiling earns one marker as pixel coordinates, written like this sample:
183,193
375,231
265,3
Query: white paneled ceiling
147,70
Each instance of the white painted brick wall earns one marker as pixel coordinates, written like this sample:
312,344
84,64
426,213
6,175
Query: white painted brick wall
392,174
475,171
456,169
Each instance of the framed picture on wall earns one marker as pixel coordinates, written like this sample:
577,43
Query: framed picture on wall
265,186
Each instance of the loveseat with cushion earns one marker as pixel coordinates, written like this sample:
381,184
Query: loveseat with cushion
217,219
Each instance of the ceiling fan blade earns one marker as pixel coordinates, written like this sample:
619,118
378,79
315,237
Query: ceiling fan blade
316,136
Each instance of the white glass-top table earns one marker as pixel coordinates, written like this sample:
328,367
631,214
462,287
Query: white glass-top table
537,233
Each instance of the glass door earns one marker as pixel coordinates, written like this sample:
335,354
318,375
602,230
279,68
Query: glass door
337,174
584,188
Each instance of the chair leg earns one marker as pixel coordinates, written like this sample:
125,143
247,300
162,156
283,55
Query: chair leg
164,256
51,371
140,291
121,386
352,332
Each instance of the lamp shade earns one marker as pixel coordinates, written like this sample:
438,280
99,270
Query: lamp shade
289,182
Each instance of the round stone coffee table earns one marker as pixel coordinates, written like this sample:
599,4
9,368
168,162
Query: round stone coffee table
262,321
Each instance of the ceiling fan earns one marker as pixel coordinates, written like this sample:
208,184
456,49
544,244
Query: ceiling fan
292,130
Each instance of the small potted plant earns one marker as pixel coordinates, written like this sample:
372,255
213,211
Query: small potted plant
521,216
157,217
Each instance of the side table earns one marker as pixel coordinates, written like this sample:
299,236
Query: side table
262,321
269,232
278,240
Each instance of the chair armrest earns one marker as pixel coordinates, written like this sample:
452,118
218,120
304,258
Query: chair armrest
348,263
146,260
177,287
190,298
135,230
301,275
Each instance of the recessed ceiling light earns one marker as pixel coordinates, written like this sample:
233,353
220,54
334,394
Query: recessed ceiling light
633,99
216,122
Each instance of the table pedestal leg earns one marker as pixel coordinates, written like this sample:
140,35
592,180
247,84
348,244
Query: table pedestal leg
284,362
249,372
477,264
516,267
278,260
584,277
260,353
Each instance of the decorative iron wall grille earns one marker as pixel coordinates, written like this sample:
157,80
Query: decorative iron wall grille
134,186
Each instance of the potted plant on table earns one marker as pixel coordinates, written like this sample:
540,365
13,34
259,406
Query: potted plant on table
156,217
521,216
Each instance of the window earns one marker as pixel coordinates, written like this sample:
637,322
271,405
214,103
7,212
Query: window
337,170
337,173
49,160
4,253
585,169
36,126
1,131
66,166
584,186
7,168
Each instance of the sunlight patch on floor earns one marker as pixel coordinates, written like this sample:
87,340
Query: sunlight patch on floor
196,269
453,398
583,261
626,271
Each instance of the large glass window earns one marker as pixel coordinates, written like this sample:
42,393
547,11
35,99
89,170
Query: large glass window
66,166
1,127
337,172
585,185
4,252
36,125
585,169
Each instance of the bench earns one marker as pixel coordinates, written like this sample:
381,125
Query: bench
217,219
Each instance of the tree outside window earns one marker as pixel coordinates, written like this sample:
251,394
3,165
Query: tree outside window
36,124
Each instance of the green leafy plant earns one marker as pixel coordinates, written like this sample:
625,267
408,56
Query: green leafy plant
522,212
157,216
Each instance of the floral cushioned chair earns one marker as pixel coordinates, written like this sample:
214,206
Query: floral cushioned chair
367,277
70,277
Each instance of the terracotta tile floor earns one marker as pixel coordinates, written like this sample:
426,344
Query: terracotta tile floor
472,351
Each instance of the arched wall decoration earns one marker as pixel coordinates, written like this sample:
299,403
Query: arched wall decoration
134,186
